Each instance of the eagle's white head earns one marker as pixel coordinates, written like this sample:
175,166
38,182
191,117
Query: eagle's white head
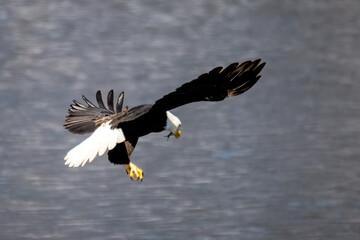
173,124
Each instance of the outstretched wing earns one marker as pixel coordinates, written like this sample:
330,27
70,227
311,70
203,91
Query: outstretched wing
97,119
82,119
216,85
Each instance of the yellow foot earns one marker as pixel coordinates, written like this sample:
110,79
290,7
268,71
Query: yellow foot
135,173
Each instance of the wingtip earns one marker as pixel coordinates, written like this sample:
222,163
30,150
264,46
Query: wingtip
257,61
258,69
110,100
262,64
119,102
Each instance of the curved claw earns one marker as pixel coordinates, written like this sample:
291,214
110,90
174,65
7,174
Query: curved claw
136,174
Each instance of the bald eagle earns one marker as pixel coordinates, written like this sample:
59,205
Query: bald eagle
116,129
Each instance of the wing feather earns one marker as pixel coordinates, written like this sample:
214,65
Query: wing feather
99,99
110,100
119,103
82,119
216,85
88,102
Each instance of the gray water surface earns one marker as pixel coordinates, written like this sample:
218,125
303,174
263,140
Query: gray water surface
279,162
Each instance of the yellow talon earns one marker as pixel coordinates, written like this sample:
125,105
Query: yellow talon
135,173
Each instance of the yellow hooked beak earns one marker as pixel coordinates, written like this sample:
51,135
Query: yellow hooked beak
177,134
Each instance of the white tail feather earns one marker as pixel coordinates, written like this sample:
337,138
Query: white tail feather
104,138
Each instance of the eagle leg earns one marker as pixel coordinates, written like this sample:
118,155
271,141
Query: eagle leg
136,174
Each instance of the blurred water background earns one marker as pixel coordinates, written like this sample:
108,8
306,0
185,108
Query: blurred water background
279,162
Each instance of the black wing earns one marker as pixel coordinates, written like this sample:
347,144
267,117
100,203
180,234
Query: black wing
82,119
216,85
131,114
